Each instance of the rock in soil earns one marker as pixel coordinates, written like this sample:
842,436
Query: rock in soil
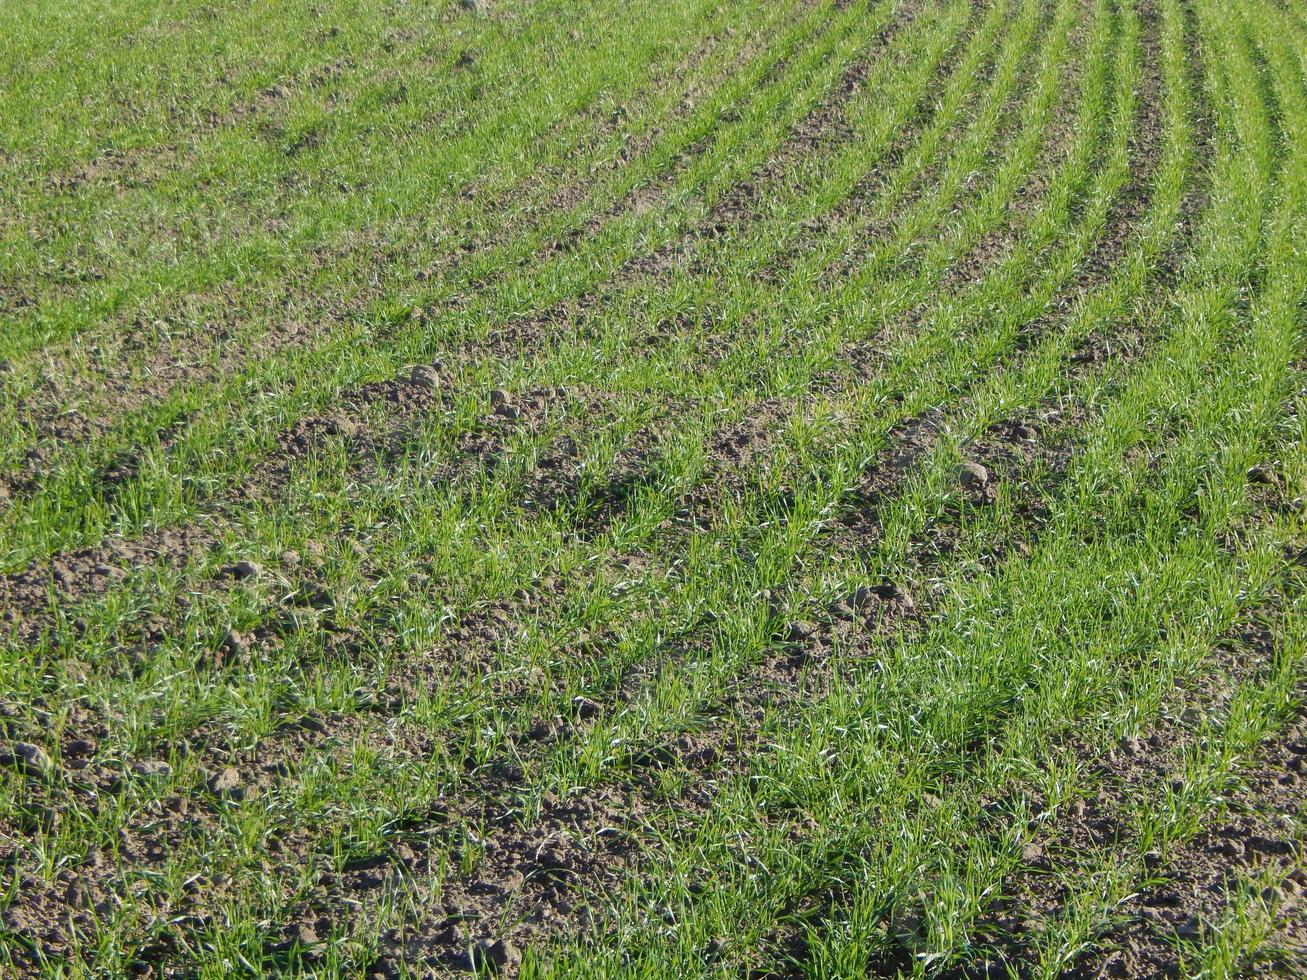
1033,856
152,769
424,376
1264,474
239,571
801,632
973,476
29,759
493,957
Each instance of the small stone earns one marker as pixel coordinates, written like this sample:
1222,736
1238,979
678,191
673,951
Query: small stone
801,632
239,571
494,957
152,769
424,376
973,476
1133,746
1032,854
227,784
29,759
1264,474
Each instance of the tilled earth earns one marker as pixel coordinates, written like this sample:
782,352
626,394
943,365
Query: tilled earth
787,489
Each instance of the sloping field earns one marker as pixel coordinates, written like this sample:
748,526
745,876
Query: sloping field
653,489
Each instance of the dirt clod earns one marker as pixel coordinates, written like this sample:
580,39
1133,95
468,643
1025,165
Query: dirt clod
841,610
227,784
494,957
29,759
234,645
